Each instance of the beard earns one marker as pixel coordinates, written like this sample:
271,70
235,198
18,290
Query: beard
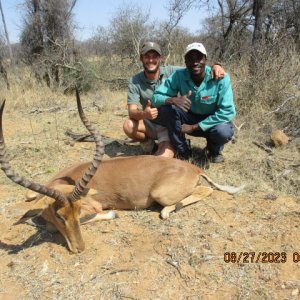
151,71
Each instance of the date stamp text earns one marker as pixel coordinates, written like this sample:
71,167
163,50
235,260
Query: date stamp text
260,257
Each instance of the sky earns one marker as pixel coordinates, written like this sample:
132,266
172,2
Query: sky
89,14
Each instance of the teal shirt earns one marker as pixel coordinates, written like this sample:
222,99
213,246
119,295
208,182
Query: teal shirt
213,97
140,88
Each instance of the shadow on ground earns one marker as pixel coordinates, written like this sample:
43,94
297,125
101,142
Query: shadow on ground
117,147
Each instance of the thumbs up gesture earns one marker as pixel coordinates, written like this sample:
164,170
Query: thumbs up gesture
150,113
183,102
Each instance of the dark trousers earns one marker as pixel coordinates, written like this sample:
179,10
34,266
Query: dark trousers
173,117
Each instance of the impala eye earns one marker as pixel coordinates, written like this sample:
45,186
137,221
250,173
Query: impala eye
60,218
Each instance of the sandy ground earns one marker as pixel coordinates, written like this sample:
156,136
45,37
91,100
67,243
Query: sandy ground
245,246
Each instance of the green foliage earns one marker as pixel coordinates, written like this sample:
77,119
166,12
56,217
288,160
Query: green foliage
76,76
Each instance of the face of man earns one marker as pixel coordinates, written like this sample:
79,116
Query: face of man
195,62
151,61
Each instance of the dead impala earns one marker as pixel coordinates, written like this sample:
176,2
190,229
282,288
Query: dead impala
79,193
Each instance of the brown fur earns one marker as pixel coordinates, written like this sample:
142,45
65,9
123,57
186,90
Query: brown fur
120,183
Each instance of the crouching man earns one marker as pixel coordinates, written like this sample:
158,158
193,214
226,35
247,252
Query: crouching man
191,102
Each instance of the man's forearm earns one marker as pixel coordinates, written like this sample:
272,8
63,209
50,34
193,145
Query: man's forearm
186,128
137,115
158,100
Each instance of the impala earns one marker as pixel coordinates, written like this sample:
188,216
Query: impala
80,193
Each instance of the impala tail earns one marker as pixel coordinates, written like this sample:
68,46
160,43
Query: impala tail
225,188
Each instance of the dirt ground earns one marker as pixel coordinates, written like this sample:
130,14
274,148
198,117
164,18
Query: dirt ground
245,246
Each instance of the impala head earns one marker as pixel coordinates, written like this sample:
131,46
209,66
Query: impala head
64,216
59,205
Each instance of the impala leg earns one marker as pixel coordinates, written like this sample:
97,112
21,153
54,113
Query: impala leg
199,193
98,217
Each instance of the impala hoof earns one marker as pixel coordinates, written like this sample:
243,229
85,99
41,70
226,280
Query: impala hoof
164,214
113,215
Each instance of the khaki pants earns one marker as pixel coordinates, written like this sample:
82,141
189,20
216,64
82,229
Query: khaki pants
159,132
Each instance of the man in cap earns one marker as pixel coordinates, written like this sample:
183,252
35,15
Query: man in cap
205,107
142,125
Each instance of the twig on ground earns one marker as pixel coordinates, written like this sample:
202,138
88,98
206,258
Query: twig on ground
263,147
122,270
238,127
38,173
174,264
54,109
281,105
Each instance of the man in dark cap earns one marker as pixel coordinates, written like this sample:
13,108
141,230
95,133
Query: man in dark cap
141,125
205,107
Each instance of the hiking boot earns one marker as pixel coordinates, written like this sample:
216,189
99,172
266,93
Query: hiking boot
217,158
183,155
188,152
213,157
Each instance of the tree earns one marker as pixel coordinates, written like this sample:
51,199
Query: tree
129,27
101,42
177,9
2,68
173,44
46,38
3,53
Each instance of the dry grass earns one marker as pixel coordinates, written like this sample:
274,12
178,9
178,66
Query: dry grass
270,96
138,256
47,111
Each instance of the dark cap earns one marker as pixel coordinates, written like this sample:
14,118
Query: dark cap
148,46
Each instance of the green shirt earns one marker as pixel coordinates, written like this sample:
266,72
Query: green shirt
213,98
140,88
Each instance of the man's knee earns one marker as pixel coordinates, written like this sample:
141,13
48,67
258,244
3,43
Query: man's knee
128,126
168,115
222,132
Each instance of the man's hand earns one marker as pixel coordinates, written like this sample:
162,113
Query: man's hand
183,102
185,128
217,72
150,113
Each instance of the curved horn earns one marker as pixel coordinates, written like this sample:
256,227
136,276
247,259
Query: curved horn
81,185
9,172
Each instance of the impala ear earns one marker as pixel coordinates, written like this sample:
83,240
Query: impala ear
29,215
36,210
